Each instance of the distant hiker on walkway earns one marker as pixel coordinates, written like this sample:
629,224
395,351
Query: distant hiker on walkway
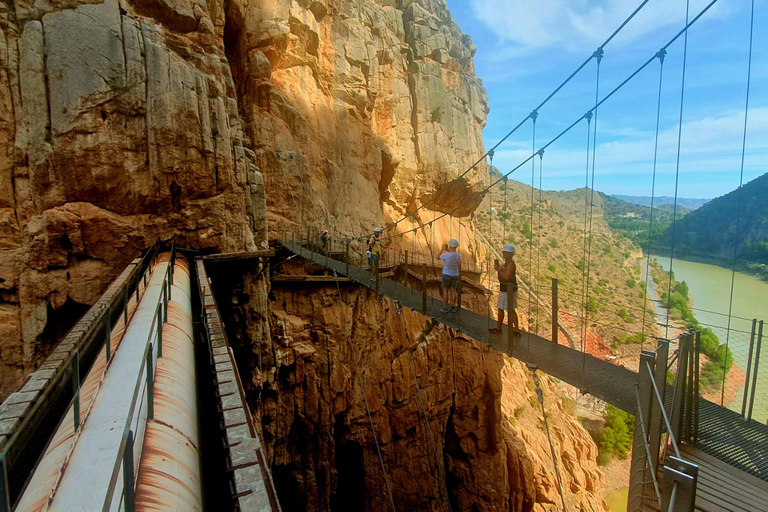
324,239
449,286
507,274
374,253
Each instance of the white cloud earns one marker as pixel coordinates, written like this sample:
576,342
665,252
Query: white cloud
529,25
709,145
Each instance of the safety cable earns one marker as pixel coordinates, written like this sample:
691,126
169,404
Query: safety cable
529,235
660,55
583,328
359,374
365,399
430,438
538,242
677,166
599,57
490,230
740,203
540,395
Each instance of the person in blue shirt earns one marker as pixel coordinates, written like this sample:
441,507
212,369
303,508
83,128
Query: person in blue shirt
451,259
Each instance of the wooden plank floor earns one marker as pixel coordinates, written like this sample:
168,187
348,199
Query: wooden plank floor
723,488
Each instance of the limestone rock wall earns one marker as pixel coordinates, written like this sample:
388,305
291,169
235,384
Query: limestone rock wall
359,111
119,128
487,429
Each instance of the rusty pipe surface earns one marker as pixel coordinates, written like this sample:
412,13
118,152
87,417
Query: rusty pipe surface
41,490
169,475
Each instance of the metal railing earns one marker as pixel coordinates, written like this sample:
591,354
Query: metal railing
677,489
143,396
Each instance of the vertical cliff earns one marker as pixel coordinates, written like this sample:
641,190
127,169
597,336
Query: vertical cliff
359,110
485,431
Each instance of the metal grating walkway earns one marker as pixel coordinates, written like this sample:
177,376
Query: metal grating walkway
722,432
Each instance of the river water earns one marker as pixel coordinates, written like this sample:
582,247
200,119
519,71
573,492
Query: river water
709,286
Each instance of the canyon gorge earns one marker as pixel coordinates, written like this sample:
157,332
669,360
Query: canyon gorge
216,124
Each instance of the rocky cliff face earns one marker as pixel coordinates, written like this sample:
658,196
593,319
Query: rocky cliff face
118,128
485,431
127,122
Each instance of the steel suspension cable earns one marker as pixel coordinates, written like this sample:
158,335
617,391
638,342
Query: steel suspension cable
677,167
529,234
538,243
365,400
740,203
540,395
490,228
583,262
599,57
430,436
660,55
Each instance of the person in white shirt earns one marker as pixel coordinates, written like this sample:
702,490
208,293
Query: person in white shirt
451,259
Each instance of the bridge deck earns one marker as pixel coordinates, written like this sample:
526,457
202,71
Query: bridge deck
722,432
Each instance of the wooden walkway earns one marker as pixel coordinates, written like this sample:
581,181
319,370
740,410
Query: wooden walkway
723,434
722,488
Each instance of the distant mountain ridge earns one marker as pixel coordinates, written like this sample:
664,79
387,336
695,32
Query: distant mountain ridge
688,202
713,227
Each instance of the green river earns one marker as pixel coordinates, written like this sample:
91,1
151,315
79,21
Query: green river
709,286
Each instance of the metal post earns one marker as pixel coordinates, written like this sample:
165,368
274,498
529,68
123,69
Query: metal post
510,330
458,293
555,311
76,387
159,322
679,486
424,290
108,332
749,367
656,420
678,409
689,391
696,351
638,469
346,259
129,484
5,493
757,366
406,270
150,385
126,295
165,302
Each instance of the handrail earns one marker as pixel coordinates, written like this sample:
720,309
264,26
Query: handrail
159,317
645,444
670,433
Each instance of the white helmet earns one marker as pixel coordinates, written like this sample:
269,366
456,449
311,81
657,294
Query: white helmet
509,248
453,243
377,230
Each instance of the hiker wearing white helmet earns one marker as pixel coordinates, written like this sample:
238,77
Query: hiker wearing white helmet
507,274
451,259
374,253
324,239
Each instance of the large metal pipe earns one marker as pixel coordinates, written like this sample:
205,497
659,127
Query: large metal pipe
138,390
41,490
169,476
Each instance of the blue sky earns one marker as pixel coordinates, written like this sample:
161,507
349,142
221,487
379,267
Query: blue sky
525,48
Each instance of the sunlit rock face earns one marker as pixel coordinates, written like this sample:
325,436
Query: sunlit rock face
127,122
119,128
362,110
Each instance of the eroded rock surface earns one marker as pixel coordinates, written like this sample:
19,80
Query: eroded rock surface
119,128
485,431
